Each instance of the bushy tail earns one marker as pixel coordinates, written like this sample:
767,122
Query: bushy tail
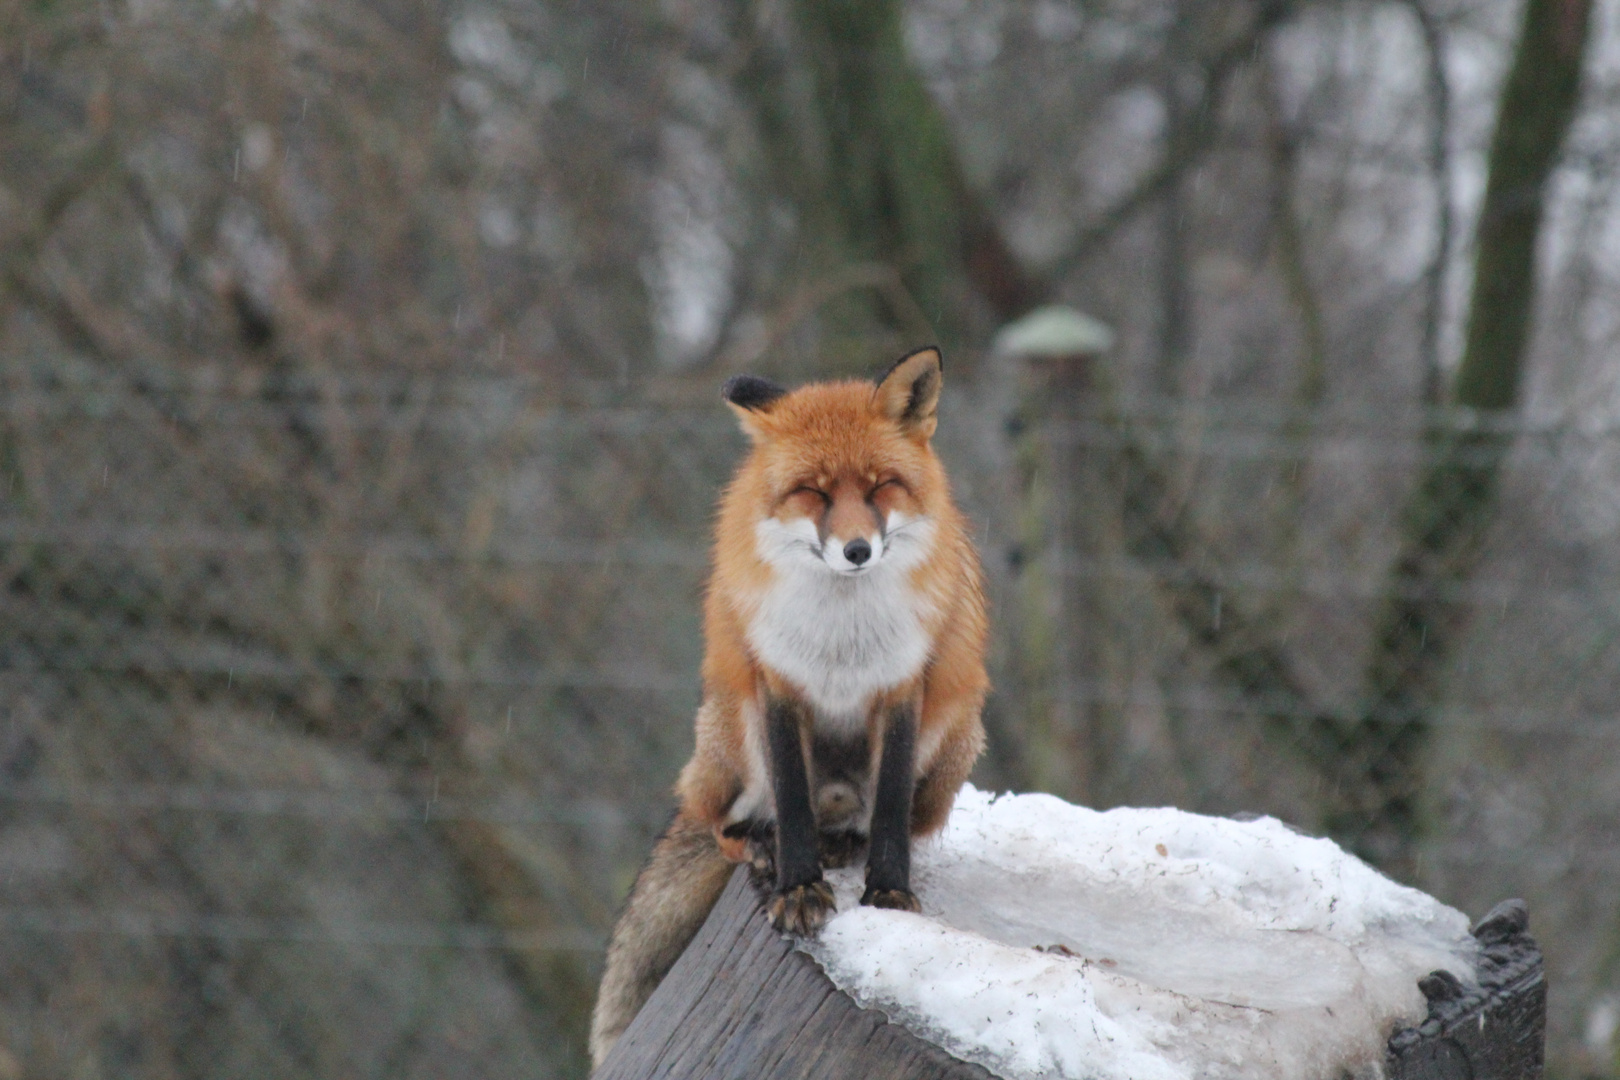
667,907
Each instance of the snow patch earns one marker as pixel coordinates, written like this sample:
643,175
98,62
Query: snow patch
1057,941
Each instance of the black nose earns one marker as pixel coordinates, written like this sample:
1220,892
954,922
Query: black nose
857,551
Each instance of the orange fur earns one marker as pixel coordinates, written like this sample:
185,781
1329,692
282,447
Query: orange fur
842,454
832,464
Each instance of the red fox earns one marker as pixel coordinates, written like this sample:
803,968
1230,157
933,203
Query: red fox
843,674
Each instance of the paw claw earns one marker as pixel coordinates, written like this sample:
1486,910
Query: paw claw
893,899
802,909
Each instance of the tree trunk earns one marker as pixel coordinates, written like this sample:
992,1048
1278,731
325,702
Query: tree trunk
865,155
1377,760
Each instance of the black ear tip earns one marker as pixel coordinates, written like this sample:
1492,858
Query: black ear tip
939,360
751,391
939,357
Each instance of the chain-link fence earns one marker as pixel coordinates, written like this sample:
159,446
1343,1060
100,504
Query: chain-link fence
359,439
338,718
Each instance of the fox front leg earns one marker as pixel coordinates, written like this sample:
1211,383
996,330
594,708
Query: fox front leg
888,860
802,900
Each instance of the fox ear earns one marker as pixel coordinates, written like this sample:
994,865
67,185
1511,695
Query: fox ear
909,393
750,397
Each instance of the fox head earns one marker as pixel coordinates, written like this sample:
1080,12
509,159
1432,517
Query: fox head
841,478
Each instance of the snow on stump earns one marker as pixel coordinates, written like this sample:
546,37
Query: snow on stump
1057,941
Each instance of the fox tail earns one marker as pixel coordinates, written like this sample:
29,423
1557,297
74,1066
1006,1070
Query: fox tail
668,905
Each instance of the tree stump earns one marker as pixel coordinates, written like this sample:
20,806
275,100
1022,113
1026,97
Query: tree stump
743,1004
1495,1032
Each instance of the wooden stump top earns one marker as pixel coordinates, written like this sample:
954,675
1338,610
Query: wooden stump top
743,1004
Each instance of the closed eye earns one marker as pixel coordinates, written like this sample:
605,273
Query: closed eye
806,489
906,531
893,481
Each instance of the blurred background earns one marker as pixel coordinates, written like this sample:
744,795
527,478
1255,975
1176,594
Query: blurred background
359,438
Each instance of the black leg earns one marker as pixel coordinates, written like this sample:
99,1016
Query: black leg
802,901
796,860
888,860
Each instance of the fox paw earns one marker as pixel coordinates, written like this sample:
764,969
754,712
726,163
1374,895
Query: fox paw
752,843
893,899
802,909
761,856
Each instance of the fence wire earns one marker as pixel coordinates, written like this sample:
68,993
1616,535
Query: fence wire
385,687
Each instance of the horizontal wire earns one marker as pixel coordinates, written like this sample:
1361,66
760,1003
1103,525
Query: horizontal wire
327,805
661,553
1188,422
565,403
456,935
1532,856
625,678
605,552
1375,448
1090,692
460,420
1078,692
1260,578
65,921
1381,448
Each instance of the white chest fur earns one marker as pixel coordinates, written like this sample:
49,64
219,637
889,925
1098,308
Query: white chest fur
842,639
